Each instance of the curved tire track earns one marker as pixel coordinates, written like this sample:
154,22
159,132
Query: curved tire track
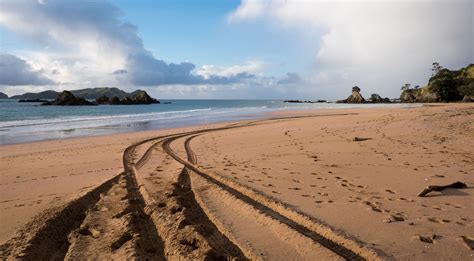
270,207
46,235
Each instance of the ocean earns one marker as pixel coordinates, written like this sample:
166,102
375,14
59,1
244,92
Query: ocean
27,122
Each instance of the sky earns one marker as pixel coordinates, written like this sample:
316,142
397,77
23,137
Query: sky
248,49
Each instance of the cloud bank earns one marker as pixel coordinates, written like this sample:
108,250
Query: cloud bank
378,45
15,71
87,42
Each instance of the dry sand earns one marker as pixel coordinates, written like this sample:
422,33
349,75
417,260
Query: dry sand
294,188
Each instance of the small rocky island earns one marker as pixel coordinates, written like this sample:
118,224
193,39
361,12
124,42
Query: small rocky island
356,97
66,98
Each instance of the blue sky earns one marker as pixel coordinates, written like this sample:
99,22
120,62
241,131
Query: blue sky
198,31
231,49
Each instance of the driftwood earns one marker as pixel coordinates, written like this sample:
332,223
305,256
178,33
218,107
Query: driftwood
360,139
456,185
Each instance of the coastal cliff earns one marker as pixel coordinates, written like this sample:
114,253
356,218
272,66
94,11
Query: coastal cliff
444,86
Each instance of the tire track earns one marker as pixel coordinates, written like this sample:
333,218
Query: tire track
275,210
75,229
63,232
334,242
187,232
45,237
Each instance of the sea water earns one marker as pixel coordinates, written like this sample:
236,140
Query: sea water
26,122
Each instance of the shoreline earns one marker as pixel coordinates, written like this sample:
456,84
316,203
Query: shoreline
80,126
70,167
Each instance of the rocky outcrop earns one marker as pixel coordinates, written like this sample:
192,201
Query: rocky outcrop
137,97
355,97
408,96
141,97
375,98
103,100
468,98
3,95
66,98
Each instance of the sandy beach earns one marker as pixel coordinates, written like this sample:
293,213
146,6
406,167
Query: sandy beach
300,185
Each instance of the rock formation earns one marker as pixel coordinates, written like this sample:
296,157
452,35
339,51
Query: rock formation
355,97
468,98
66,98
137,97
375,98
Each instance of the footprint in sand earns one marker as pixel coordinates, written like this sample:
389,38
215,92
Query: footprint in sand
468,242
430,239
295,188
372,206
438,220
394,218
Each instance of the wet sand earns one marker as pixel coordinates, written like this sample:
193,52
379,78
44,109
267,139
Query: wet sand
292,187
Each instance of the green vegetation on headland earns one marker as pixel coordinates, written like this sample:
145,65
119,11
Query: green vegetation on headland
444,86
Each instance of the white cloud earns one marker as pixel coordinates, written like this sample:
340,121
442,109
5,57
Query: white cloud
16,71
91,41
377,45
251,67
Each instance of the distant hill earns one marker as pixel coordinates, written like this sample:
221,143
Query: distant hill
89,93
94,93
3,95
46,95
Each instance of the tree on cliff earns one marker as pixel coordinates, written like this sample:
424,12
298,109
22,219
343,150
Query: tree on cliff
436,68
405,87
